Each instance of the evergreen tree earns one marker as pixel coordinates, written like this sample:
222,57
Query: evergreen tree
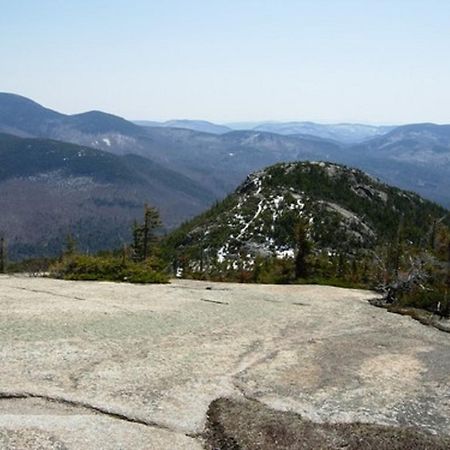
70,246
395,252
341,266
144,234
302,248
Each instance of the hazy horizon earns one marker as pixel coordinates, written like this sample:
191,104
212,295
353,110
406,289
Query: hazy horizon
371,62
242,123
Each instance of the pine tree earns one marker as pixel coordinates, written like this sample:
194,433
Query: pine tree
302,248
137,241
144,234
70,246
341,266
433,232
395,252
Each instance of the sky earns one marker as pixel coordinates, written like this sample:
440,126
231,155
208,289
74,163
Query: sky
369,61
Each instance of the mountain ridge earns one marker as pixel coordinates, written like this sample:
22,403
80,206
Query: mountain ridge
417,161
347,211
195,125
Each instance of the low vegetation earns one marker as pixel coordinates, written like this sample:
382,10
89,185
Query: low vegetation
108,268
138,264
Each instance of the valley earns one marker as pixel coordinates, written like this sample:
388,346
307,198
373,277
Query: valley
50,189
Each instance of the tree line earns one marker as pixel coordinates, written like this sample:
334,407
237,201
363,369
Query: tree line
408,274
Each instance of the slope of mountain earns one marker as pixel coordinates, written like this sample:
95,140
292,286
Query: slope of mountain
348,133
414,157
194,125
346,210
23,117
49,189
422,143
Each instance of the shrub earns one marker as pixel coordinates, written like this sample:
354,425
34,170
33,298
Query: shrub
108,268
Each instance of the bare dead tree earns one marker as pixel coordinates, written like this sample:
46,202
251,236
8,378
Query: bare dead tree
415,277
2,255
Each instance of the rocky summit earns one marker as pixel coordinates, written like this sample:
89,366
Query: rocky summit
344,209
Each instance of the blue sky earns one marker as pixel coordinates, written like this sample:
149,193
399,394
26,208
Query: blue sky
372,61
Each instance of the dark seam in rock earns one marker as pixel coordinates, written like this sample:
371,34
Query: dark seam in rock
213,301
81,404
37,291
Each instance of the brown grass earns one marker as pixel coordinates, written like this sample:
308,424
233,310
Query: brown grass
424,317
249,425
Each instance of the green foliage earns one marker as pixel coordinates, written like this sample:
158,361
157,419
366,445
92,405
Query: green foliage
117,265
144,234
303,248
180,245
354,191
273,271
71,246
428,298
33,265
108,268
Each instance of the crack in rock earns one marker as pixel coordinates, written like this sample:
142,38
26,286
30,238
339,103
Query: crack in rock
213,301
38,291
93,408
53,294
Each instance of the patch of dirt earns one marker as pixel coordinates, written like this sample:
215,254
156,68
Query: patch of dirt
250,425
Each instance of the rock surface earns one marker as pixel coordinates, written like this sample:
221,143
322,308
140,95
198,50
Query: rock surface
103,365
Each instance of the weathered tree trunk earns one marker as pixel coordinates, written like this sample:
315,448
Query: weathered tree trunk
393,290
2,255
146,232
303,249
446,306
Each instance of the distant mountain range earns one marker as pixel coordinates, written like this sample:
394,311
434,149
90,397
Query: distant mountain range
346,133
195,125
183,171
217,162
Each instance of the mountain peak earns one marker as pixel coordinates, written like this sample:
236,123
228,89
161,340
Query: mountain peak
100,122
22,116
346,209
